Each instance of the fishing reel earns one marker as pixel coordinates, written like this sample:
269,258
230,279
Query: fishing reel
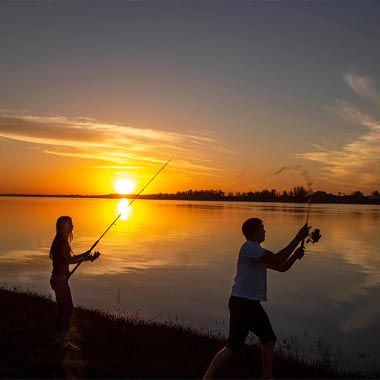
314,236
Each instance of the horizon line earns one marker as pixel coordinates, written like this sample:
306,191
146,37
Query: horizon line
116,195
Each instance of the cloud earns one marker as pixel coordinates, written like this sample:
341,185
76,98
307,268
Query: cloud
114,145
357,162
364,87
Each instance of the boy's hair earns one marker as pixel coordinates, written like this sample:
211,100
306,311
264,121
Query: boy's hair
250,226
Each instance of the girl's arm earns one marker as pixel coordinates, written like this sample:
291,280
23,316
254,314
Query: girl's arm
75,259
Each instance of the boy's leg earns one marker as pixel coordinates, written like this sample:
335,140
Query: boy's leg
267,359
221,359
262,327
238,331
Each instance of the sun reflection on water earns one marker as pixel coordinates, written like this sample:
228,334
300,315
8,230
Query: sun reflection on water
124,208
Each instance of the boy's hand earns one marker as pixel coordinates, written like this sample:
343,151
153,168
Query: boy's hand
303,233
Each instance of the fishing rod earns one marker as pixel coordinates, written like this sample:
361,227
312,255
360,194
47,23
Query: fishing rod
97,254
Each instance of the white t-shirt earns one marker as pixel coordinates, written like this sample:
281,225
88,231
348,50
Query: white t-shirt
251,277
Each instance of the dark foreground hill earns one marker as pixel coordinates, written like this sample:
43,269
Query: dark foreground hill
115,347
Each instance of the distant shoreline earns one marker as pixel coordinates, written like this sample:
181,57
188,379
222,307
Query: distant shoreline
205,196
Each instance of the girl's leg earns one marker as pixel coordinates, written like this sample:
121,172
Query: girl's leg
67,307
64,312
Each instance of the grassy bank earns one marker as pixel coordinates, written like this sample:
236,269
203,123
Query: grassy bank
115,347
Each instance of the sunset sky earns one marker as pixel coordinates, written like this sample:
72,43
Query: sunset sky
93,92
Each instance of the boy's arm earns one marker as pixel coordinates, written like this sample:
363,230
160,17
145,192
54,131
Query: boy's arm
278,259
298,253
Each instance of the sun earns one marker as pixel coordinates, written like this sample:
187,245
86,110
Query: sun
124,186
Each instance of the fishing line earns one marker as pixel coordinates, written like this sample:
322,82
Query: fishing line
305,173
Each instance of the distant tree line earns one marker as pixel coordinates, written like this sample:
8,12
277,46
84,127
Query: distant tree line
296,195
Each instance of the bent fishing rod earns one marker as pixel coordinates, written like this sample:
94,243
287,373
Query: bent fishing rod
117,218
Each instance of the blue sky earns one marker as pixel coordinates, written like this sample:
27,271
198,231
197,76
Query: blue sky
232,90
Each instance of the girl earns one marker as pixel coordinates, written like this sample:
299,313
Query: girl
60,254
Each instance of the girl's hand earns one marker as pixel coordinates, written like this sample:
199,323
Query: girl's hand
95,255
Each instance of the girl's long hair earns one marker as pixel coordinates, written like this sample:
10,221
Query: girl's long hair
60,237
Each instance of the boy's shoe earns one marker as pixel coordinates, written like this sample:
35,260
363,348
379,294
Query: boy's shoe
63,342
67,345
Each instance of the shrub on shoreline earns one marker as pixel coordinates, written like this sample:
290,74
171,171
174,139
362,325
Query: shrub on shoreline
115,346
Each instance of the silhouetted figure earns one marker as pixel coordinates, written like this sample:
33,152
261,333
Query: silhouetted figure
60,253
249,289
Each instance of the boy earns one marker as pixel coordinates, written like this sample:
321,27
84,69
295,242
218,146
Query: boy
249,289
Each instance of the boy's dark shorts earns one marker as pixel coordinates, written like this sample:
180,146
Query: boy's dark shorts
247,315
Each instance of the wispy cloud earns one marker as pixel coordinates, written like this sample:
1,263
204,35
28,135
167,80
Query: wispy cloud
363,86
112,145
356,163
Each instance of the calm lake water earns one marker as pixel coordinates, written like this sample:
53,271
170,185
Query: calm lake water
175,260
